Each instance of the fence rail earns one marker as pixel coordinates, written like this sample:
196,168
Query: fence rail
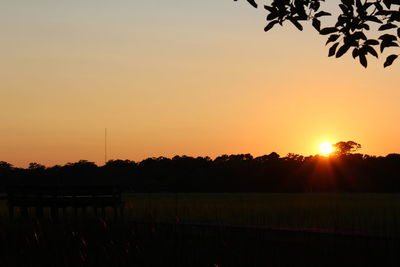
62,197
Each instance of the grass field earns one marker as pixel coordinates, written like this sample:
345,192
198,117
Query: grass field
377,214
366,213
138,240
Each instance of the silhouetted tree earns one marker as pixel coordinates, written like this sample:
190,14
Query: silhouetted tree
120,164
82,166
5,165
393,156
295,157
346,147
36,166
349,31
273,156
344,172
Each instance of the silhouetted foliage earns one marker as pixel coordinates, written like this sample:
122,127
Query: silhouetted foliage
5,165
345,171
36,166
349,32
345,148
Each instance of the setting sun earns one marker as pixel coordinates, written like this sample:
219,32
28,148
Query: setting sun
326,148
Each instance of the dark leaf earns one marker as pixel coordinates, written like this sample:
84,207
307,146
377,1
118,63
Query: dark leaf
270,25
395,16
328,30
387,26
371,50
316,24
389,60
342,50
332,50
363,60
355,52
358,4
270,8
341,21
385,44
387,3
302,17
371,42
322,13
253,3
365,26
387,37
378,6
348,2
332,38
272,15
366,6
362,51
344,8
374,19
383,12
315,5
350,40
297,24
355,23
359,35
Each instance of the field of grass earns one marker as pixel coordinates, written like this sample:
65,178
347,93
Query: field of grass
138,240
377,214
371,214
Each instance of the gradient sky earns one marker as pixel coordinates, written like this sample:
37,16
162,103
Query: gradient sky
176,77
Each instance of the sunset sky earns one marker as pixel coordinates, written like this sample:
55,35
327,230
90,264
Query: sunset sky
176,77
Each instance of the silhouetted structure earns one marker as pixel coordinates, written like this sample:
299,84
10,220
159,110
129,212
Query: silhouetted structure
58,198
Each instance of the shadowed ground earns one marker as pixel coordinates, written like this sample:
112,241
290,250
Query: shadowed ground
209,229
95,242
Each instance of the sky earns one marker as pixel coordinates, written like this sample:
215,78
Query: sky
166,78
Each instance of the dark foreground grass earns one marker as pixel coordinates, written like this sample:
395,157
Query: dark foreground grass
376,214
98,242
211,229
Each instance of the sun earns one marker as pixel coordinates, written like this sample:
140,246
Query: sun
326,148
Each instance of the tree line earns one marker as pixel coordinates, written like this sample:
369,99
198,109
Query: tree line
350,172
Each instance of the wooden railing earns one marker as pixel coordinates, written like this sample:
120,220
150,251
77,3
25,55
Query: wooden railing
56,198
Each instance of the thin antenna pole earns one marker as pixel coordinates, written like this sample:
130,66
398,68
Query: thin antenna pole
105,146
